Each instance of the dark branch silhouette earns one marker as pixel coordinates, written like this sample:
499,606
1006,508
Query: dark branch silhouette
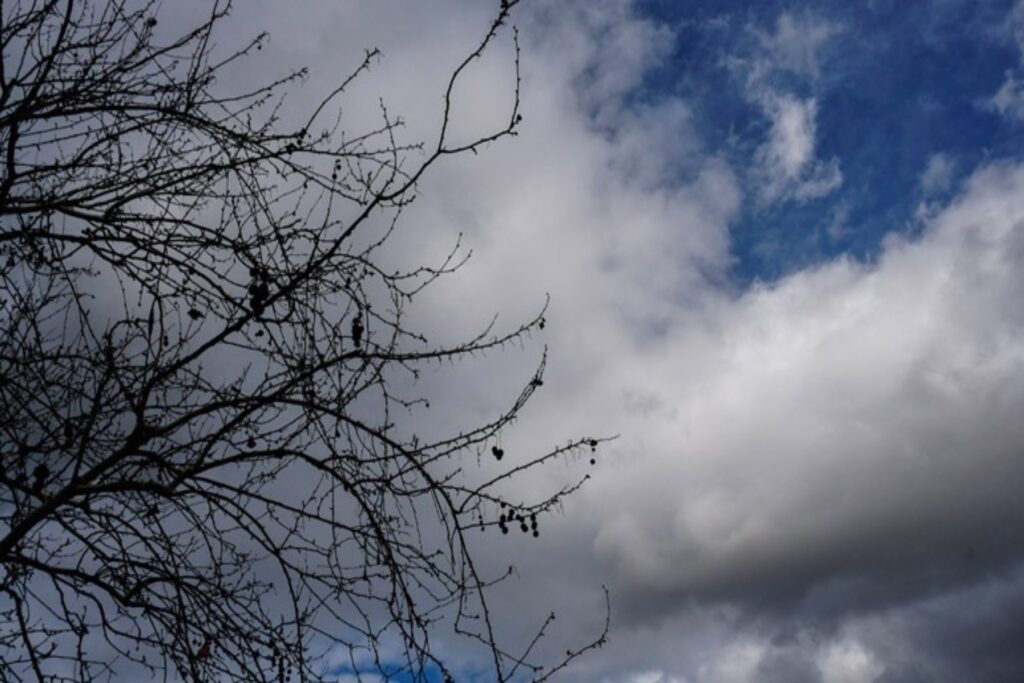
204,370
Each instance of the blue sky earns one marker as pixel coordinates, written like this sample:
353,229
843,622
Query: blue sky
899,82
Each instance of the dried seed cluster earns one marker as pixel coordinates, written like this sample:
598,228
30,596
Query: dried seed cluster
259,291
511,516
357,330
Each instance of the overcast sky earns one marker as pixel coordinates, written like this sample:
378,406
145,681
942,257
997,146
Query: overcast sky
784,245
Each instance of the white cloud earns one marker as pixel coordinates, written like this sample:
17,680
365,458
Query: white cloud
1009,99
787,166
797,43
848,662
792,139
838,221
608,51
1016,23
825,421
653,677
353,678
737,663
937,176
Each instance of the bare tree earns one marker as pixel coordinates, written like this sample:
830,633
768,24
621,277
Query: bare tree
204,369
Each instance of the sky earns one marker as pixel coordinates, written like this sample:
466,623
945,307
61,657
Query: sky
783,244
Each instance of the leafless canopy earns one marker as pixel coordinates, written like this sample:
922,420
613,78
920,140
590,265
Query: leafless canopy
204,369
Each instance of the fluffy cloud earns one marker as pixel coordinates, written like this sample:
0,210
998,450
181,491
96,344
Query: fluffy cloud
1009,99
937,176
848,662
818,429
786,162
737,663
796,44
787,167
654,677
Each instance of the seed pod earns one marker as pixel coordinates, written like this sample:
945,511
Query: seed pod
357,331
